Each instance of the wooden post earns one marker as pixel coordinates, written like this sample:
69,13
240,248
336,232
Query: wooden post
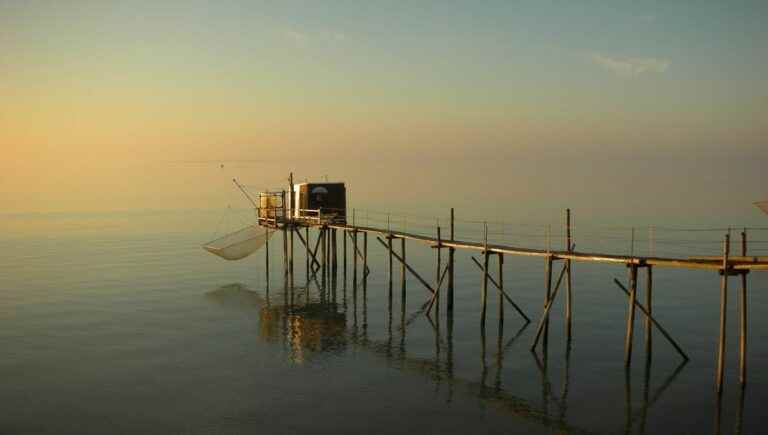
723,310
743,317
323,243
547,296
365,262
437,275
290,255
402,273
648,305
309,253
501,290
451,252
391,272
354,258
334,252
568,294
630,315
344,236
290,222
266,257
285,240
484,294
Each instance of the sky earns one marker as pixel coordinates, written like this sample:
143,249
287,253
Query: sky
630,108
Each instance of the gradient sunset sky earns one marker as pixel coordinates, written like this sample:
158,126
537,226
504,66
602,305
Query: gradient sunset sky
100,99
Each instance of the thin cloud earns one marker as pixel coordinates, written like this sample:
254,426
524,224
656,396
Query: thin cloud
303,39
296,37
630,66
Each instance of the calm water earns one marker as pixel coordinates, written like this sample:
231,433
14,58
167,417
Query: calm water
122,324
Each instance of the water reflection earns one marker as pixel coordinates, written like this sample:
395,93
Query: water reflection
307,322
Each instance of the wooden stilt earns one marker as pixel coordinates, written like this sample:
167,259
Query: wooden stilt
391,272
402,273
290,222
365,263
547,298
290,254
451,253
630,315
285,238
266,259
568,294
285,253
723,311
334,252
354,258
649,307
437,274
743,317
484,293
501,289
309,253
323,254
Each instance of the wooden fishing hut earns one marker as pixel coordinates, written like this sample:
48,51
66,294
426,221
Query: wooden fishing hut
324,206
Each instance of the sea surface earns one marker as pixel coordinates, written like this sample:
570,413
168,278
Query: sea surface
121,323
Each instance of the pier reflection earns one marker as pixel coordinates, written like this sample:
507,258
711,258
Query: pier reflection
309,321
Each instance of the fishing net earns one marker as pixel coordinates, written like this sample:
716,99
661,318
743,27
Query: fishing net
763,205
240,244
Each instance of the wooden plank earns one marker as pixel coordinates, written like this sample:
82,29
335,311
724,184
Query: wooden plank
732,259
565,255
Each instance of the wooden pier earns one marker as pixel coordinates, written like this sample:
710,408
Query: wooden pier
321,261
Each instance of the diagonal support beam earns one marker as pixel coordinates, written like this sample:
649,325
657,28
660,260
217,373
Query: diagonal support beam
655,323
407,266
498,287
316,265
304,242
360,255
545,315
437,290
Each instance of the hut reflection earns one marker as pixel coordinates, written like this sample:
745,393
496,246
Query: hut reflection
314,325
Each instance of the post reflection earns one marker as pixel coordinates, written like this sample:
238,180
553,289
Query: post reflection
311,325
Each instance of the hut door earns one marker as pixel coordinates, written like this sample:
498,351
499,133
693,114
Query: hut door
320,197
